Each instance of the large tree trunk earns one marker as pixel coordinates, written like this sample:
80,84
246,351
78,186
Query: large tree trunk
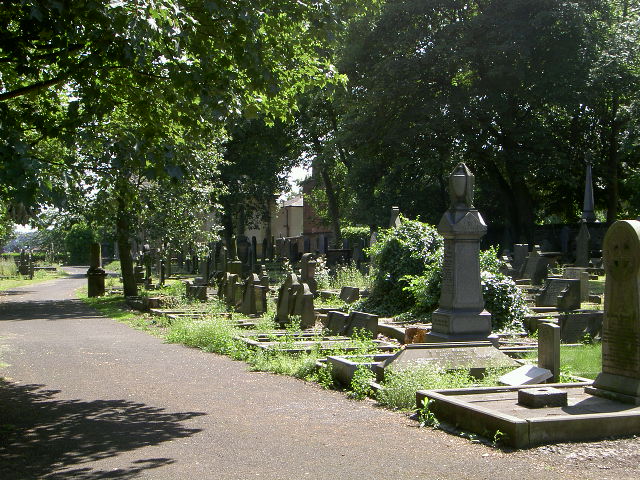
332,200
123,233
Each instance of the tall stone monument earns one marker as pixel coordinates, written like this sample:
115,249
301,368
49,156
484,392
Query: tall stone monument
234,266
461,315
582,245
588,203
620,376
95,274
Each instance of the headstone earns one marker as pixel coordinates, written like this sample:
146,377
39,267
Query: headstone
549,349
95,274
222,262
265,250
234,266
252,301
520,252
536,267
362,322
525,375
588,204
264,277
582,245
337,322
579,273
162,272
394,220
272,249
461,314
285,298
349,294
574,327
561,293
308,271
620,376
252,259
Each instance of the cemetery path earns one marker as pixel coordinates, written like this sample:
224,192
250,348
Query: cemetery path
86,397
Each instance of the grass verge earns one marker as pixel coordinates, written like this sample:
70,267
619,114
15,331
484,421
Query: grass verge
38,277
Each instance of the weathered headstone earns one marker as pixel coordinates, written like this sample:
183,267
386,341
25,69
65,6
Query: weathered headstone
234,266
561,293
620,376
579,273
461,314
285,298
303,304
349,294
362,322
582,245
549,349
520,253
253,302
337,322
95,274
265,250
536,267
394,220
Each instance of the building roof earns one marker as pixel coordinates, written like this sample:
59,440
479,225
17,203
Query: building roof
297,201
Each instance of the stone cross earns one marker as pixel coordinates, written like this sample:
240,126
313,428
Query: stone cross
582,245
620,376
461,314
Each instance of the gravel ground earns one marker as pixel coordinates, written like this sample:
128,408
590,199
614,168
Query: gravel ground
86,397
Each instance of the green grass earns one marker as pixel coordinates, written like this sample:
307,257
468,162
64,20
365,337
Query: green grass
38,276
582,361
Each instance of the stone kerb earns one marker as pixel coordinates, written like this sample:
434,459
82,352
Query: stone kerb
620,376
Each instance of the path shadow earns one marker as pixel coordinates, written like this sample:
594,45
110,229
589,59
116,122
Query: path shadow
46,309
45,437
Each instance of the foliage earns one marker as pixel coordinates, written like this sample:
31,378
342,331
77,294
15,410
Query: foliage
425,416
355,235
400,386
349,275
360,387
78,241
410,249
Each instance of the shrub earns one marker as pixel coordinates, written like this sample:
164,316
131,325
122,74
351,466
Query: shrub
408,250
77,243
355,235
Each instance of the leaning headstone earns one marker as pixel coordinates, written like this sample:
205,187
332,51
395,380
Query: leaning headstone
561,293
461,314
394,220
95,274
582,245
620,376
525,375
549,349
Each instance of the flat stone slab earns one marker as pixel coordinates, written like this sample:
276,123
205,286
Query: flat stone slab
474,356
525,375
491,409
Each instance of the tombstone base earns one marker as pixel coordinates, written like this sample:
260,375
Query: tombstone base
95,282
460,326
616,387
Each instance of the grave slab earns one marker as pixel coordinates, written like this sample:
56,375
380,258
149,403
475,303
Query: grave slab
525,375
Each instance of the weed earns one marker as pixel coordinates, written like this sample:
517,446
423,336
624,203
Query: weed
360,383
425,416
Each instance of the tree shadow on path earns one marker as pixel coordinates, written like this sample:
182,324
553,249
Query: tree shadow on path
45,309
45,437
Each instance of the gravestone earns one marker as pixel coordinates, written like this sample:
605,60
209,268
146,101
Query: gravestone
360,321
243,244
574,327
285,298
265,250
536,267
264,277
549,349
234,266
308,271
394,220
561,293
303,304
252,259
337,322
253,296
349,294
163,272
520,253
95,274
222,259
254,245
461,314
620,376
582,245
525,375
579,273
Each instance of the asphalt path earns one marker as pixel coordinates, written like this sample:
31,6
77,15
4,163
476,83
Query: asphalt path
85,397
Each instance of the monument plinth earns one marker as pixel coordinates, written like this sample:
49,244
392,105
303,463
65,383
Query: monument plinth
461,315
95,274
